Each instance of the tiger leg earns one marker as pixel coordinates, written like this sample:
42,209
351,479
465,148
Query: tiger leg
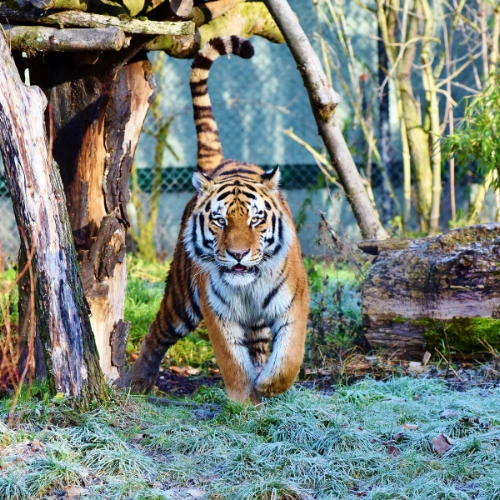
288,334
233,357
258,345
179,314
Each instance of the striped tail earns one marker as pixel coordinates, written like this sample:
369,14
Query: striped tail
209,146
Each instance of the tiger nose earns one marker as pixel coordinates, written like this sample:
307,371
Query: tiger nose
238,254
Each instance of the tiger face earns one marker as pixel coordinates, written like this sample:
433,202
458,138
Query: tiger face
237,227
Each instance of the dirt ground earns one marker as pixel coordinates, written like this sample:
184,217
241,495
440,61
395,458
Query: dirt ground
460,377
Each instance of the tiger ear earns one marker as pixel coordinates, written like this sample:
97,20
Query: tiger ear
201,181
271,178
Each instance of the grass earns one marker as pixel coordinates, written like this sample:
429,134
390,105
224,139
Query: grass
145,287
372,440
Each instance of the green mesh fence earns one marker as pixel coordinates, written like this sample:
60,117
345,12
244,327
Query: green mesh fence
173,180
178,180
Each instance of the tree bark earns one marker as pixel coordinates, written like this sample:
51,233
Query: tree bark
384,123
31,39
39,205
98,114
74,18
323,102
422,294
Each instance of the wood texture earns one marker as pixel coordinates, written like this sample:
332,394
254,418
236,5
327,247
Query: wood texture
39,205
431,292
32,39
98,115
74,19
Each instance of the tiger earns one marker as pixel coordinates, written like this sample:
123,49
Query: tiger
237,264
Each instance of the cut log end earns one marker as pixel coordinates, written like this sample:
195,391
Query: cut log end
435,292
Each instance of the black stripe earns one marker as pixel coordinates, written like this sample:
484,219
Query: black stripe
206,243
273,224
208,206
206,127
217,293
248,186
273,292
284,325
192,298
222,165
202,62
280,229
224,195
268,207
295,293
179,307
237,171
249,195
218,44
203,81
258,341
235,44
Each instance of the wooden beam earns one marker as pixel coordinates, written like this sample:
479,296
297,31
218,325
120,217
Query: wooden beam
39,38
77,19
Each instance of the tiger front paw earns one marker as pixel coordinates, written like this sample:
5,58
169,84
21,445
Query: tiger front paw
272,384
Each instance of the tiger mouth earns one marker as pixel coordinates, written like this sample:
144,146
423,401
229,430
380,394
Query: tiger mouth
240,269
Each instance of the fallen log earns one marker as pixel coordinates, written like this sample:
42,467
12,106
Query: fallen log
434,293
31,39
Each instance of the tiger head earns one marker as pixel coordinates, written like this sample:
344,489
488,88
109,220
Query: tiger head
238,226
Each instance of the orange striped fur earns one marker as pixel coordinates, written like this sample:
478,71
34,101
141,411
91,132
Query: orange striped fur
237,264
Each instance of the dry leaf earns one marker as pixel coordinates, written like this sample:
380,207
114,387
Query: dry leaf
393,450
416,367
410,427
75,492
186,371
426,357
441,444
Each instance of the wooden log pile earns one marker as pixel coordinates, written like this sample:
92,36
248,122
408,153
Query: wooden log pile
179,27
434,293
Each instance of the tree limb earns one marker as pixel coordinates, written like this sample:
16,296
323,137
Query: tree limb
37,38
323,102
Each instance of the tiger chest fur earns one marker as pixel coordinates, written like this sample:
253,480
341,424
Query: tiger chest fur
237,265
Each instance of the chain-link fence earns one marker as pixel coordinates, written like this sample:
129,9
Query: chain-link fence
255,101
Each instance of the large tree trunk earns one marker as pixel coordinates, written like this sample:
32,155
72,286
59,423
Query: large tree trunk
99,110
434,292
39,205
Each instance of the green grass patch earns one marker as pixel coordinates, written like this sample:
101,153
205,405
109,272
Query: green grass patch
371,440
145,288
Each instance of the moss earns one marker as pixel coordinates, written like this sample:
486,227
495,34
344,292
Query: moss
399,319
462,334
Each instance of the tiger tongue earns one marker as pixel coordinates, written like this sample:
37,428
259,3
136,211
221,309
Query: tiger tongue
239,268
